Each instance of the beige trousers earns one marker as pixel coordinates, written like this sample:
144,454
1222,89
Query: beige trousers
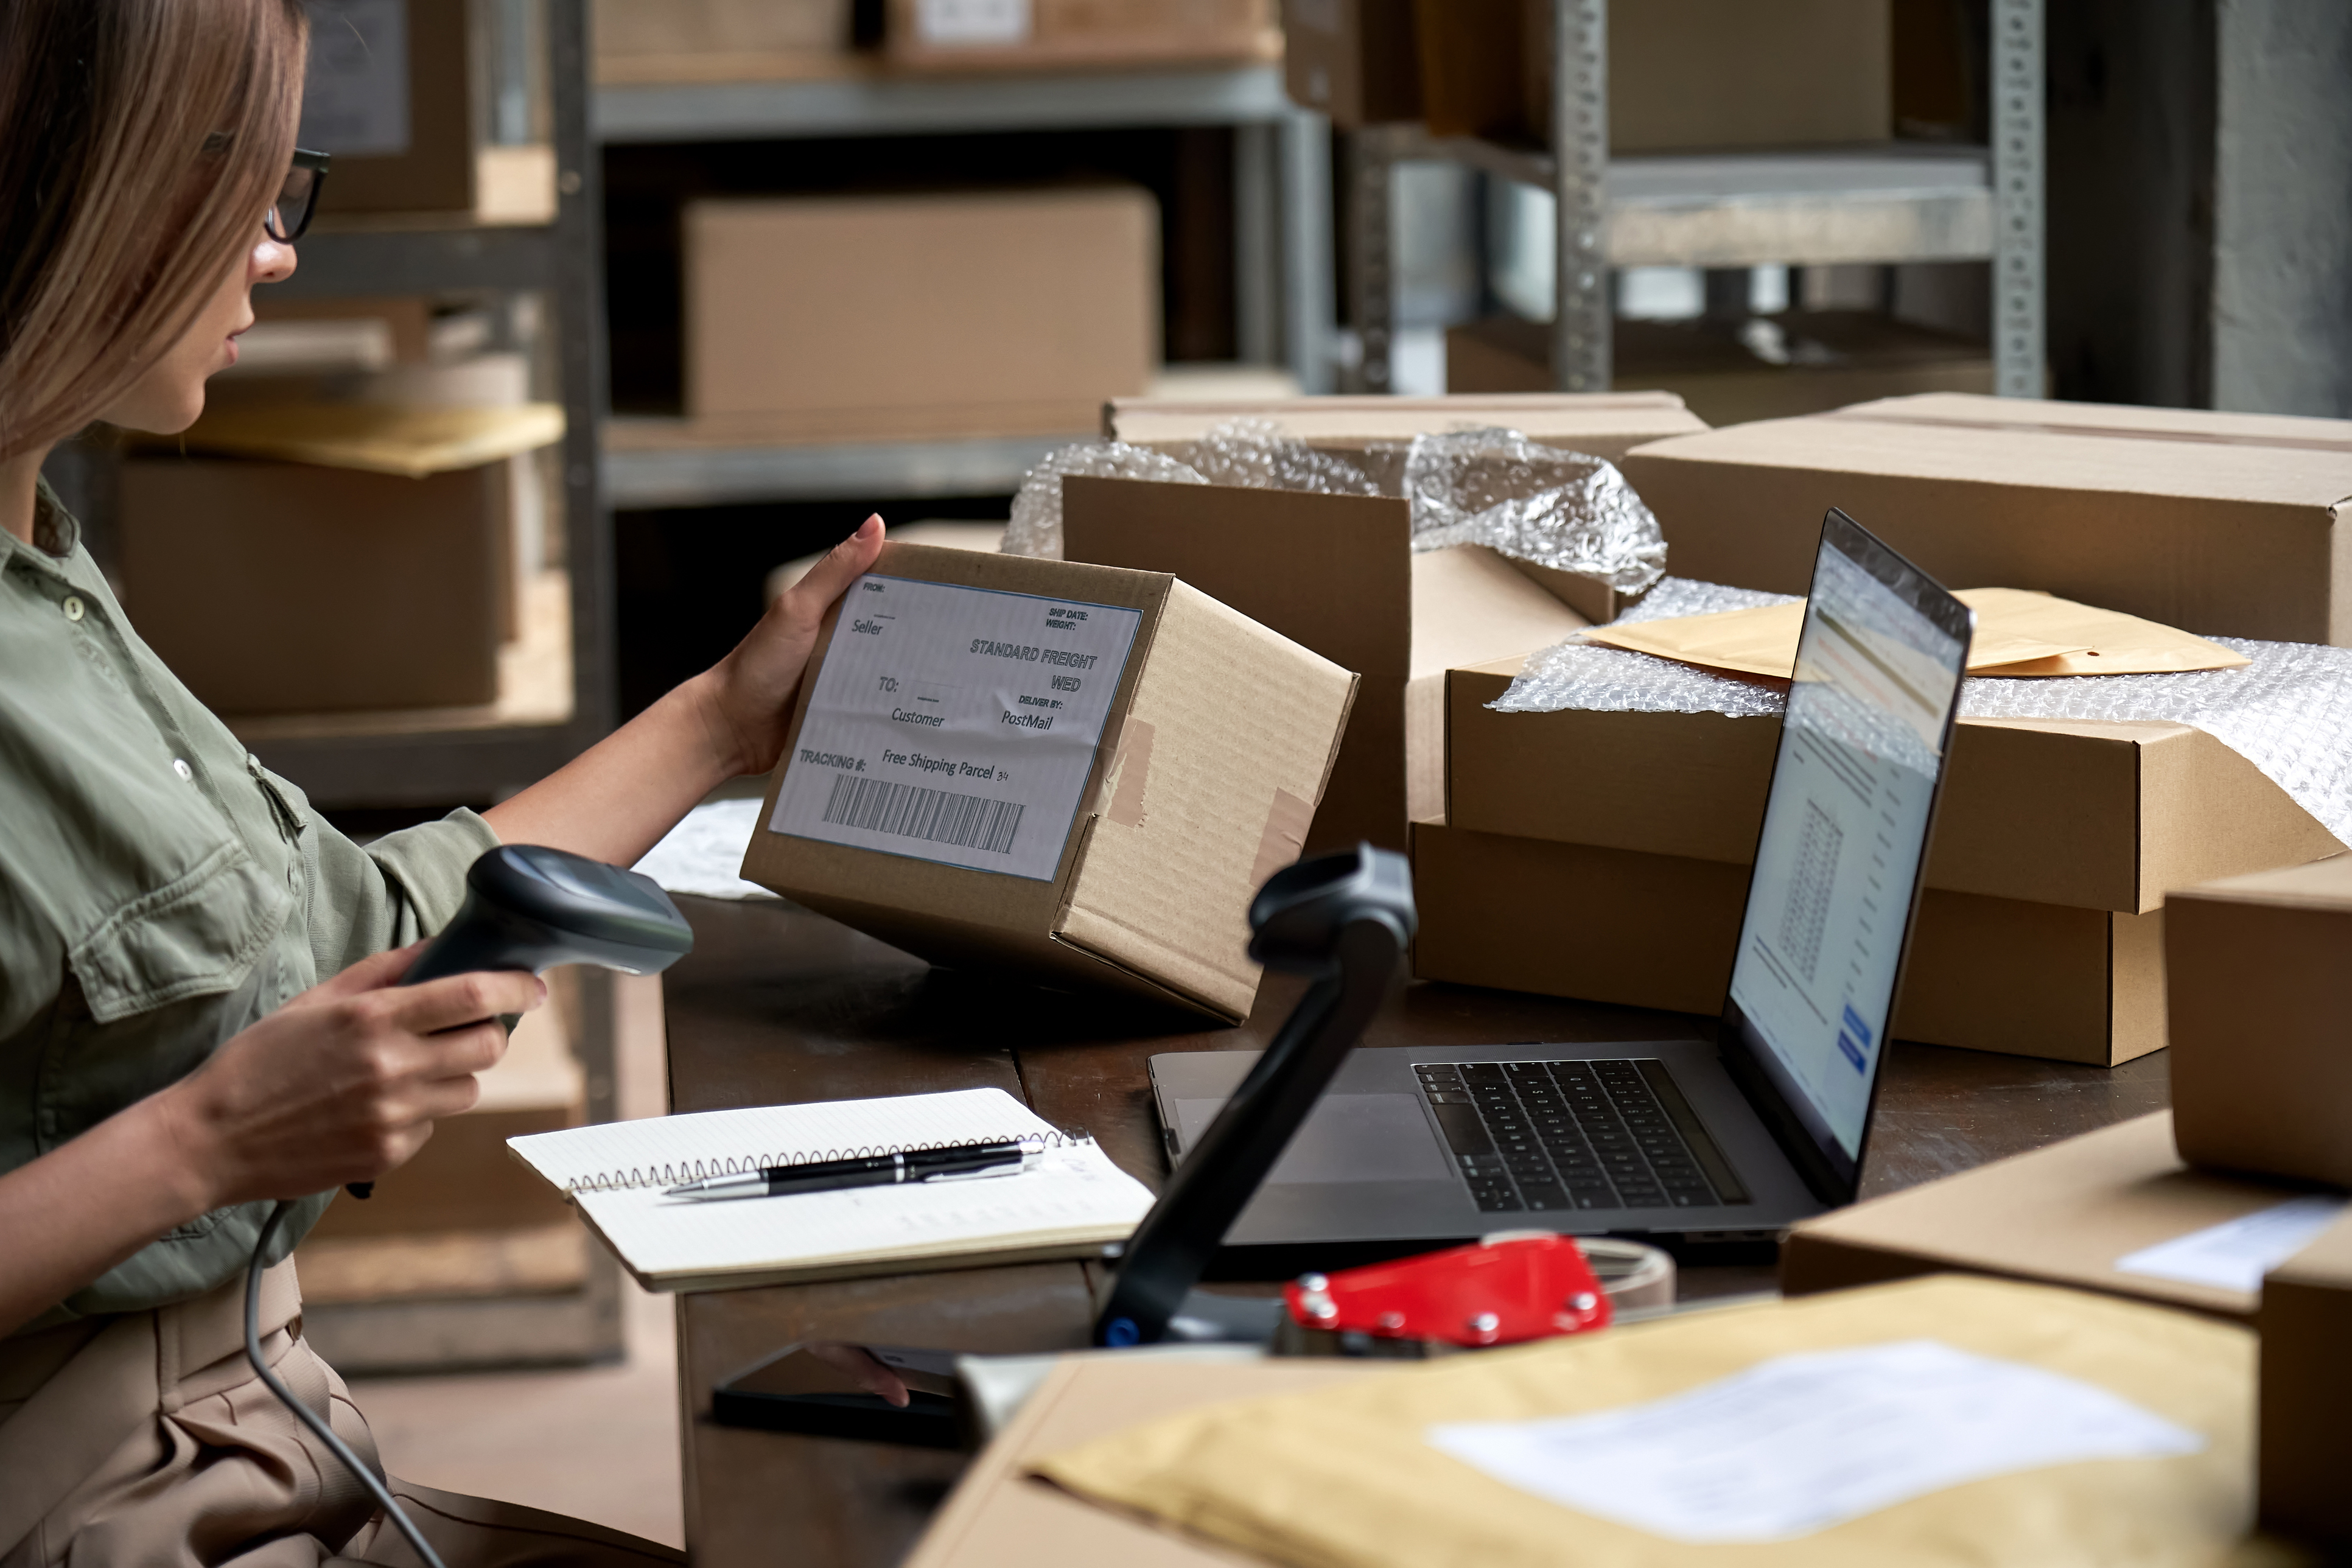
146,1439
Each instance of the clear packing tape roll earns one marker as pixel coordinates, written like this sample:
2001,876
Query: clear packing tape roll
1495,488
2289,711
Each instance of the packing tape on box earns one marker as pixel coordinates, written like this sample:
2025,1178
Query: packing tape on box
2287,712
1495,488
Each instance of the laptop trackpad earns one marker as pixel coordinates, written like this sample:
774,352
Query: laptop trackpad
1346,1138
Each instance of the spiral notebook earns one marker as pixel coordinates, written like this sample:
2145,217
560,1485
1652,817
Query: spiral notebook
1071,1204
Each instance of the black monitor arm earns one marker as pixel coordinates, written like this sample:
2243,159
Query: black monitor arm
1347,919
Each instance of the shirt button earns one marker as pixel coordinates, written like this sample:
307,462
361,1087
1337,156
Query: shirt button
180,766
72,606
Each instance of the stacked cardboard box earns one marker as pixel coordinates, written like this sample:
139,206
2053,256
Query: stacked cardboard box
1055,35
2040,933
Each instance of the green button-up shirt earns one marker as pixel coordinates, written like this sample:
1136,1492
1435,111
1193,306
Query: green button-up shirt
160,891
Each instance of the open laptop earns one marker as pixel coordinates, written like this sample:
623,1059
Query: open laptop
1737,1137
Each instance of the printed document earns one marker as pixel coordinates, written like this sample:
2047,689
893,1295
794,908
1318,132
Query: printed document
2236,1254
955,724
1799,1443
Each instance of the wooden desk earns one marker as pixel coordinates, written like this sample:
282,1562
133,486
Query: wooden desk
777,1005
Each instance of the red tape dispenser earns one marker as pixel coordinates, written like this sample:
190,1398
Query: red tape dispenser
1505,1291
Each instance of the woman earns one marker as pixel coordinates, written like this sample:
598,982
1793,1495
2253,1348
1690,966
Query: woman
199,1002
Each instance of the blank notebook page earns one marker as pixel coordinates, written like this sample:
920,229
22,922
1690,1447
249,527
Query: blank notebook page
1074,1198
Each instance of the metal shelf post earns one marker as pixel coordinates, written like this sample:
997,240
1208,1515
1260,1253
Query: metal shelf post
2019,329
1579,134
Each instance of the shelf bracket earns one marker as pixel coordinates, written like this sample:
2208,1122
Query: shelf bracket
1580,136
2020,331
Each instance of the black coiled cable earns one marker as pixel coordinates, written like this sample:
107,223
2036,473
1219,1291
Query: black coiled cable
308,1418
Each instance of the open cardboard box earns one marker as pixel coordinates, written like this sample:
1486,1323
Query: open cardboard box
1044,765
1660,931
2305,1387
1339,574
2221,524
2098,815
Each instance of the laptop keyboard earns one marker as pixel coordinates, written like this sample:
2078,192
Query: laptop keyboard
1546,1136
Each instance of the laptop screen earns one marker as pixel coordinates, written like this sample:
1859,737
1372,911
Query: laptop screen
1845,831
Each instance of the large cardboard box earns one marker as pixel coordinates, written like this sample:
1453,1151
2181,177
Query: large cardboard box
720,40
296,588
1050,766
2261,987
1034,35
2098,815
1834,358
1659,931
2306,1391
900,317
1684,75
2063,1215
2221,524
1338,575
1358,61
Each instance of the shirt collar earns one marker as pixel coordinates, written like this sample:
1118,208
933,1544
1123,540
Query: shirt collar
54,527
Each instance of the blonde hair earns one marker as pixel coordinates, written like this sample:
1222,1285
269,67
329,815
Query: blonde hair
141,142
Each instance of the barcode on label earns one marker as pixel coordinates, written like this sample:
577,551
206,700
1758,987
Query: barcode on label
934,816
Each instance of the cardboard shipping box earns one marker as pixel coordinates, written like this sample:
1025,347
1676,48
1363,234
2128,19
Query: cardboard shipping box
900,317
1049,34
2220,524
647,41
2306,1390
1830,359
2064,1215
2260,989
1338,575
1047,765
2099,816
1659,931
1358,61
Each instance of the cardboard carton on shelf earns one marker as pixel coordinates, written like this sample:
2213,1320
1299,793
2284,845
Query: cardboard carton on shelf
1824,360
651,41
376,540
1050,766
1660,931
1358,61
1684,75
1063,34
391,93
2305,1386
933,316
1339,574
2074,1213
2090,813
2220,524
2261,987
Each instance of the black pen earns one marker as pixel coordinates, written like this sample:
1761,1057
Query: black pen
961,1162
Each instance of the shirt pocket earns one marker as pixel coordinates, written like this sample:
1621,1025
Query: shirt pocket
196,936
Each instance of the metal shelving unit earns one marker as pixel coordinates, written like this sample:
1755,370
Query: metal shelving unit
1284,266
1896,203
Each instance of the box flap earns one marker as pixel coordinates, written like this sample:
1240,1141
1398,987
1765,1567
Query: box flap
1226,749
2063,1214
376,438
2321,885
1605,424
1470,605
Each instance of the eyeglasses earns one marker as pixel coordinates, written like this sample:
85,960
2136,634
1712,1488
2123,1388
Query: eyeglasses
297,199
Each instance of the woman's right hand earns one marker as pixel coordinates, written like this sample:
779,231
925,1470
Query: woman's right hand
341,1084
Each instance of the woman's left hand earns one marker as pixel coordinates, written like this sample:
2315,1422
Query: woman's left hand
748,695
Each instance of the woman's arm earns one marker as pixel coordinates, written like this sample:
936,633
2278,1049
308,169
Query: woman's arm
341,1084
615,801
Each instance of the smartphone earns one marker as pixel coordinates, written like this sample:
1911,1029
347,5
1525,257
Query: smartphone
826,1388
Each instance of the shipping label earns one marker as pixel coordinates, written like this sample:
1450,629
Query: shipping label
954,724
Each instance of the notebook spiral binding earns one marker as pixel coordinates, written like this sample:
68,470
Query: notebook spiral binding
704,1170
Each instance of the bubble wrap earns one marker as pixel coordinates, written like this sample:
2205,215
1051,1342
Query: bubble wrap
1618,681
1036,525
1538,503
1494,487
2289,712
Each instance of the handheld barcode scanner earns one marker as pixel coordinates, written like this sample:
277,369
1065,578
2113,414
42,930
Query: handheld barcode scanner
1344,920
527,907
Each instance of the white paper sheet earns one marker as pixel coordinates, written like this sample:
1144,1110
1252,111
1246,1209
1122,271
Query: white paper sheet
704,854
2236,1254
955,724
1799,1443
